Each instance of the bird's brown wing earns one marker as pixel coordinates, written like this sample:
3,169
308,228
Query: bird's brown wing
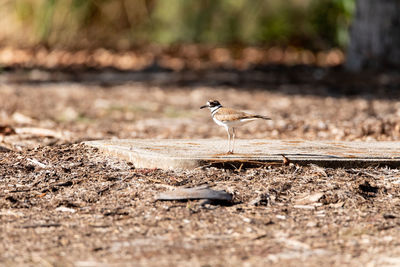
228,114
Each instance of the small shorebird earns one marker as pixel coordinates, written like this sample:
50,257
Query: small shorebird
229,119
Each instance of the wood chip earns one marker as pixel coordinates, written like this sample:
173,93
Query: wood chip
41,225
42,132
37,163
4,149
21,118
202,192
305,207
286,161
309,198
65,209
6,130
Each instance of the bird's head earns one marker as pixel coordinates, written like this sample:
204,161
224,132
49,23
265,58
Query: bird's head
211,104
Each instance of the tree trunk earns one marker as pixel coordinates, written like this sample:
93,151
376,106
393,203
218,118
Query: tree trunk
375,35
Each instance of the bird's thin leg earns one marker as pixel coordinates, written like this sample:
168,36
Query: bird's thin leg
229,139
233,139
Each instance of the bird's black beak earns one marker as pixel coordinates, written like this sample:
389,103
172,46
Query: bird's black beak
205,106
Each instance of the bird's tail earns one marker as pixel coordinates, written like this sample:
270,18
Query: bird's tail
261,117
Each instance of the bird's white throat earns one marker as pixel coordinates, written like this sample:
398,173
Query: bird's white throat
214,109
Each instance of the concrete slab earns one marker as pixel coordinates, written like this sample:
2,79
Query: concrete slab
189,154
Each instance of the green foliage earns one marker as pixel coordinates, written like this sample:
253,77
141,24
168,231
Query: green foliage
314,24
330,19
229,21
45,13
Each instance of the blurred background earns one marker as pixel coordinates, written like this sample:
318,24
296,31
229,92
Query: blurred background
124,24
296,30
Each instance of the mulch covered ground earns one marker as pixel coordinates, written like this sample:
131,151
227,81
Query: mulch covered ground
64,204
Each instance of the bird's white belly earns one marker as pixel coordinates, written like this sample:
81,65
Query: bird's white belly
220,123
232,123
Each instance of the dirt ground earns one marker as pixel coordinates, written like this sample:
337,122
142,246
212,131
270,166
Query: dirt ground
63,204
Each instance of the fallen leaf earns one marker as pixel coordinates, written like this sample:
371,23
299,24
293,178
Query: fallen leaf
42,195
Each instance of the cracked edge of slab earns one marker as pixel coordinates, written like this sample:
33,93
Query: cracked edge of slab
147,160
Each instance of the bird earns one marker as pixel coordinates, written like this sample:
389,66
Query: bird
230,119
